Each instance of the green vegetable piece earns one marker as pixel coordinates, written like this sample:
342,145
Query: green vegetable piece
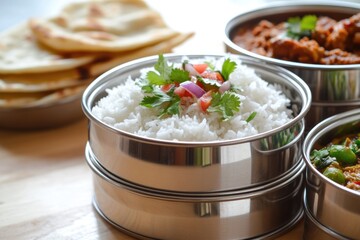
225,104
308,22
208,81
166,74
319,153
321,163
210,65
251,117
335,174
357,142
172,107
155,100
227,68
155,79
343,154
179,75
321,159
300,27
163,68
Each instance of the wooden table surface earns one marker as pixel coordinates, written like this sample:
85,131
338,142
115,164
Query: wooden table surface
45,184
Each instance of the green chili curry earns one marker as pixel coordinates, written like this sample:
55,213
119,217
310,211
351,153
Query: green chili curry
340,161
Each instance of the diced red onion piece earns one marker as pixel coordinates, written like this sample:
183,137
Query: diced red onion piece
193,88
224,87
191,69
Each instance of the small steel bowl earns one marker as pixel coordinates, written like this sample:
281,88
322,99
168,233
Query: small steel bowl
212,166
44,116
263,212
332,205
334,88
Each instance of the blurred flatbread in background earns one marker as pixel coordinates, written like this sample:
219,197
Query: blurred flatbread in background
21,53
37,82
48,60
108,25
33,99
116,59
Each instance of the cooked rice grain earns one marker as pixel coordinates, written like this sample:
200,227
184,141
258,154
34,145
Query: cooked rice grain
121,109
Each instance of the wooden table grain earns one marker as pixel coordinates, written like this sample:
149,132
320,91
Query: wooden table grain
45,184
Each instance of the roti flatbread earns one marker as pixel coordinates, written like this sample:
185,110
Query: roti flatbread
21,53
98,68
31,99
40,82
107,26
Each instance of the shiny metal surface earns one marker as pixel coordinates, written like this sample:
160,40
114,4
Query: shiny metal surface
332,86
165,215
199,166
331,204
315,230
49,115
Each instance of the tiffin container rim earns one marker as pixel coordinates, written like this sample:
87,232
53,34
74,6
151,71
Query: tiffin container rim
98,86
317,132
227,195
278,7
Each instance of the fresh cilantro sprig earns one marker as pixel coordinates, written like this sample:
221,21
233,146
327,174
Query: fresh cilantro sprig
226,104
298,28
168,103
156,99
208,81
166,74
227,68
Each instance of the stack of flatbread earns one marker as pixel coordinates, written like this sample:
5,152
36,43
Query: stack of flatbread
44,60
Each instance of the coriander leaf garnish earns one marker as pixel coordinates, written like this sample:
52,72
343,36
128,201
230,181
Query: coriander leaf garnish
163,68
155,79
210,65
225,104
251,117
209,81
166,74
179,75
162,76
155,100
168,103
164,89
172,107
227,68
300,27
147,89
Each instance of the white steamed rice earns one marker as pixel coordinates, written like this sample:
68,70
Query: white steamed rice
121,109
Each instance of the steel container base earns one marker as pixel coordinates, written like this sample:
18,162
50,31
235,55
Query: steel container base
263,212
272,235
313,229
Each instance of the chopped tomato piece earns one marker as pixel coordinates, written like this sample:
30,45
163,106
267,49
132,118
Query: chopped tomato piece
182,92
201,67
167,87
213,75
205,101
200,84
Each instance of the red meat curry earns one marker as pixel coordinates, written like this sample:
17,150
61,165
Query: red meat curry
330,42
